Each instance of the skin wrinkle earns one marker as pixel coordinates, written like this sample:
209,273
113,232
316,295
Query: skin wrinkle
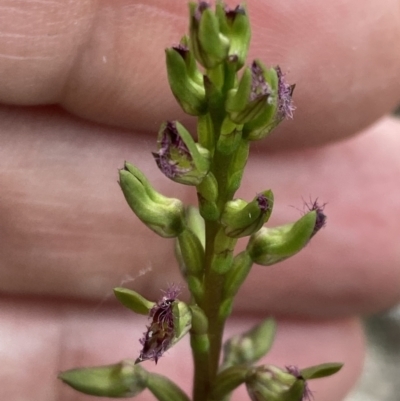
45,39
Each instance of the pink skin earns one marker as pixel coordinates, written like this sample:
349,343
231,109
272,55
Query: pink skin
68,237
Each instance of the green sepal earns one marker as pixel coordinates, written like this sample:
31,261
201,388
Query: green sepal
241,218
230,137
133,300
272,245
228,380
205,132
250,346
191,252
164,389
182,320
270,383
262,126
192,164
199,320
235,277
187,89
319,371
199,332
200,343
225,309
222,257
207,194
238,98
191,65
165,216
237,29
196,288
236,167
121,380
252,98
295,392
209,46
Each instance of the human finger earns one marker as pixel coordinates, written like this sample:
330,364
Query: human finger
68,232
60,336
104,61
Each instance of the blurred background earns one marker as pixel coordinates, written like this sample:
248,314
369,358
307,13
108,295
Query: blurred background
380,380
381,377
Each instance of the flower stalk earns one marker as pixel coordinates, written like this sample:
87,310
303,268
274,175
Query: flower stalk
233,109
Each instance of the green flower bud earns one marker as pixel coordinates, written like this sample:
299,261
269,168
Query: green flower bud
196,288
185,80
228,380
252,97
165,216
236,167
225,309
199,320
182,320
164,389
230,137
235,25
192,253
272,245
210,47
207,194
270,383
122,380
199,340
235,277
249,347
179,157
241,219
133,301
195,224
223,253
205,132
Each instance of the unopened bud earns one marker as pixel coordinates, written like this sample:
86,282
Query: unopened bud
164,389
272,245
249,347
122,380
241,219
210,46
235,25
185,80
229,137
163,215
270,383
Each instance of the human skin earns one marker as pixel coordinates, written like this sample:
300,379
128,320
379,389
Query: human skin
83,87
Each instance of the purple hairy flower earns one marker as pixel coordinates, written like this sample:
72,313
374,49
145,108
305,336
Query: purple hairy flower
172,148
259,86
321,217
263,202
285,92
157,339
307,393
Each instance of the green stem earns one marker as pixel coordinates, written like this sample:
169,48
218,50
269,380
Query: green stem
206,366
